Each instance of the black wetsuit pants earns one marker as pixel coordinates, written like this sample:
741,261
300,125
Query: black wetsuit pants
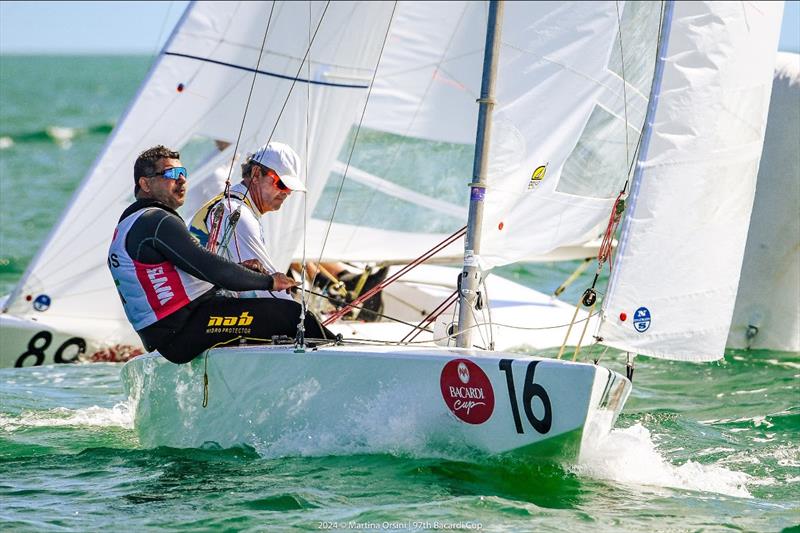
222,319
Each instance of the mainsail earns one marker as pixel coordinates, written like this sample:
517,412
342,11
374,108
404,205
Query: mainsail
572,78
673,287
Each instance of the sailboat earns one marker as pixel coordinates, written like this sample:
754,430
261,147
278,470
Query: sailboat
676,91
767,313
63,310
692,119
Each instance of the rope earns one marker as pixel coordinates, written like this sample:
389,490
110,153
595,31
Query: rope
580,341
337,302
605,250
375,290
433,315
280,114
397,147
569,330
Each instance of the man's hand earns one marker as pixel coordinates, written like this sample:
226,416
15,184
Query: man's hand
254,264
282,282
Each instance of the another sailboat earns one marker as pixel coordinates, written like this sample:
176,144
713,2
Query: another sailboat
767,312
671,294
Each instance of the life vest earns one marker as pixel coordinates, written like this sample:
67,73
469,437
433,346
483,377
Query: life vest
149,292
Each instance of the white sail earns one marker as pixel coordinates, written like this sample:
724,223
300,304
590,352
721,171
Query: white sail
767,312
673,287
429,78
199,87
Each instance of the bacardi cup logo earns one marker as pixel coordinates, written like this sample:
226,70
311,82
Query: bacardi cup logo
467,391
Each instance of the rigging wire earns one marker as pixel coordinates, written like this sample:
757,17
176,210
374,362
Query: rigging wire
294,78
301,329
379,287
161,31
624,90
355,140
433,315
227,191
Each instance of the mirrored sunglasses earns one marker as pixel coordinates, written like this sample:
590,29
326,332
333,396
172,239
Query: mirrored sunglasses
174,173
278,183
276,180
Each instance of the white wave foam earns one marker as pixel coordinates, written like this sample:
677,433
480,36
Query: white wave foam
630,456
365,427
117,416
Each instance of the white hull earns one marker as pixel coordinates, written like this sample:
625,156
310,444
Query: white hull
374,400
29,342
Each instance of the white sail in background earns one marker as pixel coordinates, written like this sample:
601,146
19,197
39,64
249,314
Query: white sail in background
673,287
767,312
199,87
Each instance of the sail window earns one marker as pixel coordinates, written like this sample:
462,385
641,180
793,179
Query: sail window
387,212
639,26
199,150
399,183
596,167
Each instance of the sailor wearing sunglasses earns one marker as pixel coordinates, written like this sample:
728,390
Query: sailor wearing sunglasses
168,283
233,222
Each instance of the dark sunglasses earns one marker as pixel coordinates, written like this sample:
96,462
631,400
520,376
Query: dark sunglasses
174,173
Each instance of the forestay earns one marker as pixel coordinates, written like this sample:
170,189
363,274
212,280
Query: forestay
198,89
672,291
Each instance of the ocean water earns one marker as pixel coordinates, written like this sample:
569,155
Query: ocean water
710,447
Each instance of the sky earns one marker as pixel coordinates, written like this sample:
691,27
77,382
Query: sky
142,27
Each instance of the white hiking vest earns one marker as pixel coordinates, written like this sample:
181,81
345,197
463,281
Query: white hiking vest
149,292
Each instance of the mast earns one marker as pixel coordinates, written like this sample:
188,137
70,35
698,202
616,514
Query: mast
471,274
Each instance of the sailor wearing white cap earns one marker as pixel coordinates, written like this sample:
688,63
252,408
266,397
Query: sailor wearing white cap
269,176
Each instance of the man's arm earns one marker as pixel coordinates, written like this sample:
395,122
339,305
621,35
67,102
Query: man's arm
157,236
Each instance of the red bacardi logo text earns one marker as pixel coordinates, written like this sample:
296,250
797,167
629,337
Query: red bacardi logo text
467,391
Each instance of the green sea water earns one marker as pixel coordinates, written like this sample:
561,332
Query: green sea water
710,447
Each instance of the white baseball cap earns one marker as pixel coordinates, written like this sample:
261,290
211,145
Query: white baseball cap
284,161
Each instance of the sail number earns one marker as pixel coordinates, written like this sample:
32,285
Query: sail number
530,391
41,341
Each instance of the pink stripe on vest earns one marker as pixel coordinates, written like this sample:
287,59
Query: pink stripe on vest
163,287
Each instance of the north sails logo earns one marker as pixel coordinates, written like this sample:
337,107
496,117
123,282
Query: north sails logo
159,281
